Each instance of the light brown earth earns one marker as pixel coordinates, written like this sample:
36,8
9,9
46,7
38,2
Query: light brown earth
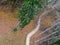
7,23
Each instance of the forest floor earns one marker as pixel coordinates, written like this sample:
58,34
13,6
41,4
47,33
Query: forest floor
7,23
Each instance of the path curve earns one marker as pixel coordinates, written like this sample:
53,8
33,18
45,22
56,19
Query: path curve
35,29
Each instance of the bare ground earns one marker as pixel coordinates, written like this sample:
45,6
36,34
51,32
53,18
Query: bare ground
7,23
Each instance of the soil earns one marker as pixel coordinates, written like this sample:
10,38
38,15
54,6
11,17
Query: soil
8,22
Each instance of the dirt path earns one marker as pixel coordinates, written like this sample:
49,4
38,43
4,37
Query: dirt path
28,29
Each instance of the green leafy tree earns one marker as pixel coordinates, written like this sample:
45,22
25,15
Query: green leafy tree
28,11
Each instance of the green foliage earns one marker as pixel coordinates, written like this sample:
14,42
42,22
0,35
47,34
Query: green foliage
56,43
15,29
28,11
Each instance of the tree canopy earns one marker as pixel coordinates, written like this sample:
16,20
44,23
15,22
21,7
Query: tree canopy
28,11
